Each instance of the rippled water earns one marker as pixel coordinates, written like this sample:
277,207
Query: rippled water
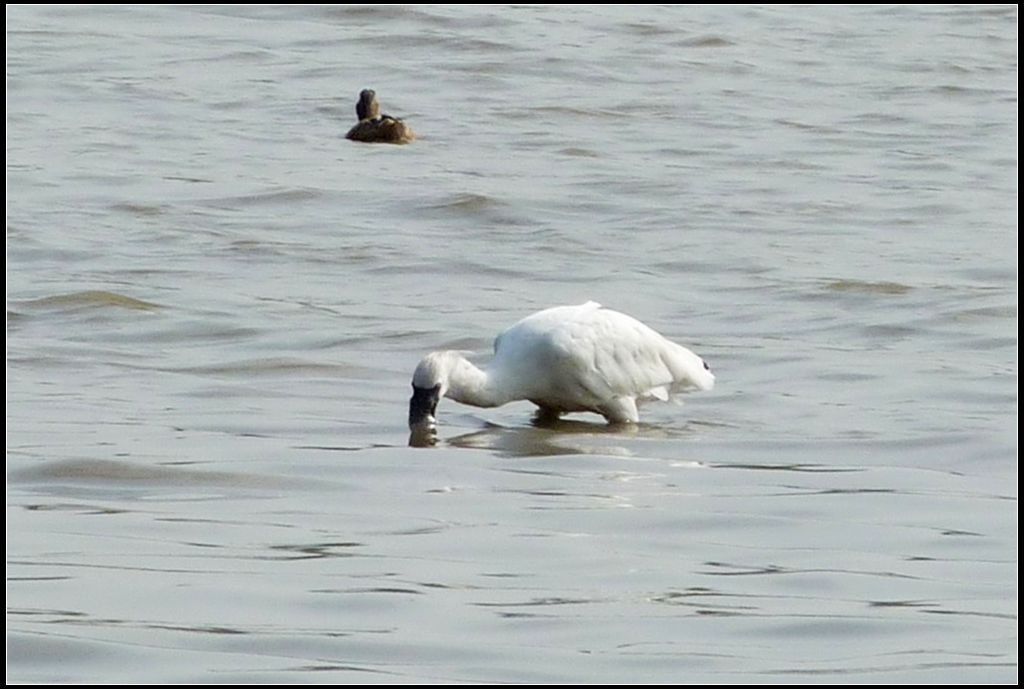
215,303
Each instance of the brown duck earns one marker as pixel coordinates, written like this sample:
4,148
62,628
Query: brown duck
375,128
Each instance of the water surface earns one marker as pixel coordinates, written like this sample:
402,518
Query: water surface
215,304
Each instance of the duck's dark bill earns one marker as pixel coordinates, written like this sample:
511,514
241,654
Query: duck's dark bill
423,406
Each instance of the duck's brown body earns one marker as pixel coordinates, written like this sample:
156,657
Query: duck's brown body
374,128
383,130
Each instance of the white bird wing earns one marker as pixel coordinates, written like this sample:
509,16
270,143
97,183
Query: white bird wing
612,355
625,357
583,357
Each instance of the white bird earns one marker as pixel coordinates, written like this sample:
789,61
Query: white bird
563,359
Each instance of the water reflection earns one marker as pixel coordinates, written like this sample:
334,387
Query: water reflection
544,436
547,436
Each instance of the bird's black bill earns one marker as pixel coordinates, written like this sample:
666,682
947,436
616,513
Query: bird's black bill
423,436
423,406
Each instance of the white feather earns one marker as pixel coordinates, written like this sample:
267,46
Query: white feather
572,358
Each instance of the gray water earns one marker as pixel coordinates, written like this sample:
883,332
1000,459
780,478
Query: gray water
215,303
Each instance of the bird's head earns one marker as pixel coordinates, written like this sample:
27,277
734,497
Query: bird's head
367,108
430,383
704,379
690,371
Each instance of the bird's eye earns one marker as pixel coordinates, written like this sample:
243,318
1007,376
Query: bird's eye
706,367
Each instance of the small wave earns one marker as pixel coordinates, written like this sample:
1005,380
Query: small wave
477,207
271,367
542,602
454,267
957,90
314,551
367,12
414,15
806,126
471,203
373,589
649,29
139,209
271,197
864,287
191,180
705,42
985,314
110,472
531,113
89,299
580,152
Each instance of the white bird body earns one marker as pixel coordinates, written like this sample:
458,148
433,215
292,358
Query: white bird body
565,359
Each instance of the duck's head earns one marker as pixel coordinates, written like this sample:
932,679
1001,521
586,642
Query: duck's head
367,108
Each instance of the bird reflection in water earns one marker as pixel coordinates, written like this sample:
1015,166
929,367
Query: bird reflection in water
546,435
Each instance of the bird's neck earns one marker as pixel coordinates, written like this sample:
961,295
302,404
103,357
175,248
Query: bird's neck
469,384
